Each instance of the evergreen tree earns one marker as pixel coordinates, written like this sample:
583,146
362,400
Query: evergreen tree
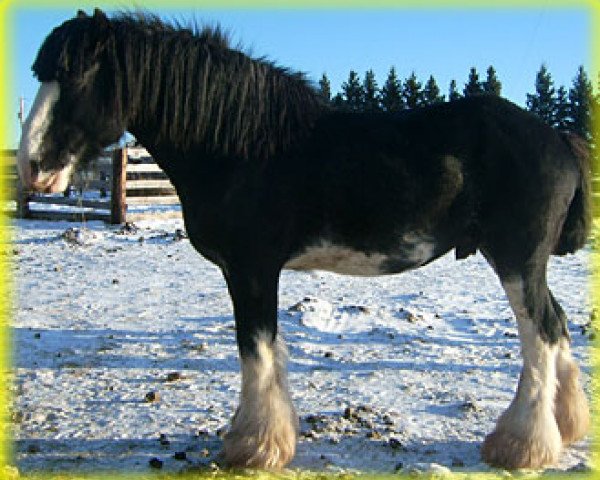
371,92
453,93
391,93
412,93
431,92
561,109
353,92
325,87
473,86
595,119
339,102
580,104
492,85
543,102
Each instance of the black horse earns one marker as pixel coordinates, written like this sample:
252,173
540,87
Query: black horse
271,177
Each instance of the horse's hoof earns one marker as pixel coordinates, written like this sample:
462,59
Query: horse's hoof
505,450
271,451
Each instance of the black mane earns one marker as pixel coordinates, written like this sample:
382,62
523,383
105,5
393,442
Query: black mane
187,83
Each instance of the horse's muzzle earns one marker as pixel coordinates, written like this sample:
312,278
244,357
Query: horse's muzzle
37,180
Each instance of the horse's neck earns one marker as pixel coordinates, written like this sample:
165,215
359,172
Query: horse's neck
167,157
184,166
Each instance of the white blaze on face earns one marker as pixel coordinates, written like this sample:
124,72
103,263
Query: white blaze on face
32,136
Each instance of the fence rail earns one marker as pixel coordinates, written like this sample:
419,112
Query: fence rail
125,187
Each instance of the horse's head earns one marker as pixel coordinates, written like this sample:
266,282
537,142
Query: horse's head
73,116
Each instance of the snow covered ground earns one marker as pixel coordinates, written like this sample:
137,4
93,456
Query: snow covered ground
397,373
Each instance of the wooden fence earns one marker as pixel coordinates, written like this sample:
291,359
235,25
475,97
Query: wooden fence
126,186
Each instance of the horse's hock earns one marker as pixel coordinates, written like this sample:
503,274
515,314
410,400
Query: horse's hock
123,185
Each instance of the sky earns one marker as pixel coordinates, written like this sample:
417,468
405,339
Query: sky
444,43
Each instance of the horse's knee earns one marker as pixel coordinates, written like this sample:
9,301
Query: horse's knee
264,430
571,406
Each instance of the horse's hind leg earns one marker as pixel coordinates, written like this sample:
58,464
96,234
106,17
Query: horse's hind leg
527,434
264,428
570,406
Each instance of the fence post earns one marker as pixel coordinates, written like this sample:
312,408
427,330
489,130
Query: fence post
118,200
23,198
10,182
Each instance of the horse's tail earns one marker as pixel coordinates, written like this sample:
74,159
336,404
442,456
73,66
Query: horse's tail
576,228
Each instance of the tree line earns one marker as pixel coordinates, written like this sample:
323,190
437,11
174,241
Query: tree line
562,108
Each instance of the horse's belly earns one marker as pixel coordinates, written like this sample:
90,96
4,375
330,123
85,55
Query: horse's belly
348,261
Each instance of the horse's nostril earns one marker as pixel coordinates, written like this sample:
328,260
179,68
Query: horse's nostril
35,168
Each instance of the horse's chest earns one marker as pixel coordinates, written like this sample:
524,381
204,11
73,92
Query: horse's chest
348,261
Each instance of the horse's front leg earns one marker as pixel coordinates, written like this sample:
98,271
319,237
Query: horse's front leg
264,428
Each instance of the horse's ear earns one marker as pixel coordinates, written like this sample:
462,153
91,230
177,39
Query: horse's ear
81,14
99,15
100,19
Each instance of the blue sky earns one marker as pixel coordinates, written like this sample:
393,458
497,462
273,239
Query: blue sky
441,42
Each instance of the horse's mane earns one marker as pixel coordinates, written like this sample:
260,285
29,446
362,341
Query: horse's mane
187,83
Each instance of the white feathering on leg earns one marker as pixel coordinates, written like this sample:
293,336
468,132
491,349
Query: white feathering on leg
265,427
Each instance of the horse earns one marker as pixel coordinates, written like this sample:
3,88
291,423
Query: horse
271,176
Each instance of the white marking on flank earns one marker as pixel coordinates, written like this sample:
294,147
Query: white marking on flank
337,259
418,249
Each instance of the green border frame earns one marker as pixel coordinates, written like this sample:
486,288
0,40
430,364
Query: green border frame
6,282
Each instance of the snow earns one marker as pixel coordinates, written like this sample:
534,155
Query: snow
397,373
